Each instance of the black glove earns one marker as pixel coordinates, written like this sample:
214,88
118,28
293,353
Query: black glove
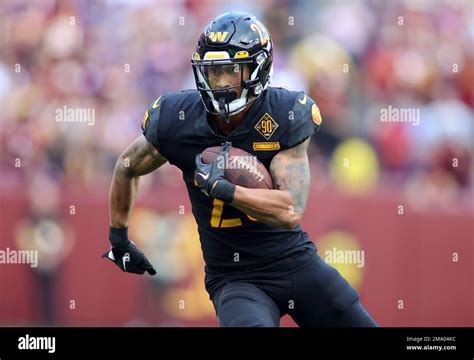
210,177
125,254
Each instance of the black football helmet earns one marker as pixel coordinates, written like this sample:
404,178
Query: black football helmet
232,41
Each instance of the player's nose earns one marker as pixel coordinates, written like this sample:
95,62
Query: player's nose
223,84
224,81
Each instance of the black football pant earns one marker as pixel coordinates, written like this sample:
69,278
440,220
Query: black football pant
314,296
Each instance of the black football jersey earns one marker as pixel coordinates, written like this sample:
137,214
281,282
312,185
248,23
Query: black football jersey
232,242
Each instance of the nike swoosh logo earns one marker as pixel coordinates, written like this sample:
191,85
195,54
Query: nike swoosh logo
155,104
203,176
125,259
303,101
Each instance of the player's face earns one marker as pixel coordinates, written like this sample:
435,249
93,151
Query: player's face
225,76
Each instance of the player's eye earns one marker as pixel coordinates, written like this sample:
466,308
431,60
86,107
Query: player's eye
218,70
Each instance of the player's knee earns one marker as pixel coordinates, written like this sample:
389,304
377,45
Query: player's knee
250,320
357,316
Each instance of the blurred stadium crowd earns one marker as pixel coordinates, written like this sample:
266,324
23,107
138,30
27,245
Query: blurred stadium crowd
363,61
353,57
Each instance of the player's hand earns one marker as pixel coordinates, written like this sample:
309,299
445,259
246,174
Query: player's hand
207,175
125,254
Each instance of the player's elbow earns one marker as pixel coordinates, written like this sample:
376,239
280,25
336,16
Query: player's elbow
290,216
290,221
123,168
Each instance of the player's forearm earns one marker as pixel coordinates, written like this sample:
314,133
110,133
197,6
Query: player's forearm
140,158
274,207
123,190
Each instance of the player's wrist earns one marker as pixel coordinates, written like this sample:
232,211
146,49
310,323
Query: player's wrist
223,190
118,237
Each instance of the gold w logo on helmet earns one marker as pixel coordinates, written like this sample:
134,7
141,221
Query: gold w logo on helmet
218,36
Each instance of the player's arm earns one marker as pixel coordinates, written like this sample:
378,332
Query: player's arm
285,205
140,158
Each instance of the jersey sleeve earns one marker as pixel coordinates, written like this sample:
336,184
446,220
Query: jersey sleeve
151,122
304,120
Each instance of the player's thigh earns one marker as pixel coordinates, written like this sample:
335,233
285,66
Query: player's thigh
245,305
321,295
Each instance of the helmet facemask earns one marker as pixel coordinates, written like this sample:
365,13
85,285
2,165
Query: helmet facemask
219,82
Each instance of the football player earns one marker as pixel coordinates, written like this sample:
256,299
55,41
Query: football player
260,264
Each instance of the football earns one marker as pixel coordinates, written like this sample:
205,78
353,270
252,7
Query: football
241,168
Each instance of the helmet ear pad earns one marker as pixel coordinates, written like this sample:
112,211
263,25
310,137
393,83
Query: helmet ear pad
262,78
265,73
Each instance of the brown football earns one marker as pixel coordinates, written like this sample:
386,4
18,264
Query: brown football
241,168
